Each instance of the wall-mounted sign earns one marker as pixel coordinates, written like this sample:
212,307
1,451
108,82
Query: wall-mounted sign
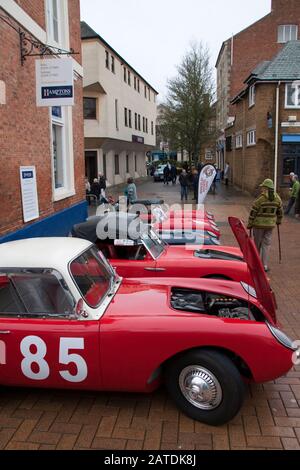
138,139
290,124
29,193
55,82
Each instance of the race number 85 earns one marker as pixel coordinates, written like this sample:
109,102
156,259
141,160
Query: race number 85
38,358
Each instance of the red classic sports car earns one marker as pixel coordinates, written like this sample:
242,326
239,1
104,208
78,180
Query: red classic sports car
68,321
146,254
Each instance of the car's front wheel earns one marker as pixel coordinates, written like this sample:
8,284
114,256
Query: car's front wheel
206,386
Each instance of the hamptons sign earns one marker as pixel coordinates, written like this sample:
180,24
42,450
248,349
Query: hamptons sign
55,82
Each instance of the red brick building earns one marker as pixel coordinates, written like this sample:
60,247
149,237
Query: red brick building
48,139
263,141
240,54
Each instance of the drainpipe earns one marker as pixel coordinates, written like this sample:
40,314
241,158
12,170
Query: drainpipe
277,135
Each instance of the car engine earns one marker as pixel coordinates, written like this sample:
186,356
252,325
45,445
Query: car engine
189,300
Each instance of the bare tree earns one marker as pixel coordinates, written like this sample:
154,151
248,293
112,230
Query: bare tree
188,108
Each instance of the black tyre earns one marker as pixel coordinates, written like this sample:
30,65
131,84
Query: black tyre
206,386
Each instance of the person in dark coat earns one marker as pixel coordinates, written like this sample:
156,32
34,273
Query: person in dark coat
95,189
166,174
173,174
184,182
196,176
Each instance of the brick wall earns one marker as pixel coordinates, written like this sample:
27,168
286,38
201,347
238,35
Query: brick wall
25,129
251,165
258,42
35,9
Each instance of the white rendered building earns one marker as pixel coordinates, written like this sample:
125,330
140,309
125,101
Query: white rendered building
120,112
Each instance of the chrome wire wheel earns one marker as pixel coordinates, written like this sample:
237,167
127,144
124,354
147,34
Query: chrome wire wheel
200,387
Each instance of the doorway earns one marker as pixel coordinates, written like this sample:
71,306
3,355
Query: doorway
91,165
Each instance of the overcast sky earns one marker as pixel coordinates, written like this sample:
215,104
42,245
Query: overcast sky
153,35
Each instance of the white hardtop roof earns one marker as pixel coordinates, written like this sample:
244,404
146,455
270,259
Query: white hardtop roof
53,253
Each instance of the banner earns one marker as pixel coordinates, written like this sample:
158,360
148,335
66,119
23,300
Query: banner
55,82
206,179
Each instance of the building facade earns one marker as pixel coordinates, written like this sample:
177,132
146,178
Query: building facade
264,139
120,113
47,139
240,54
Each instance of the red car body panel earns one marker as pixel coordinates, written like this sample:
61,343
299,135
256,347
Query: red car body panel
180,261
255,265
145,338
187,224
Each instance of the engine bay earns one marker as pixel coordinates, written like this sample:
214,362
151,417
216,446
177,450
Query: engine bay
208,303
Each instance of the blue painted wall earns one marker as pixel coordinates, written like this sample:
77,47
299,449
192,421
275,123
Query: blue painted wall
57,225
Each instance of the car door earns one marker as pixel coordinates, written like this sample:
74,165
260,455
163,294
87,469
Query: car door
41,343
134,267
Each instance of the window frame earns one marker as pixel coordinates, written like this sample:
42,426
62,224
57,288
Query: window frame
251,142
297,93
287,37
252,95
107,59
126,117
38,271
239,141
96,113
117,164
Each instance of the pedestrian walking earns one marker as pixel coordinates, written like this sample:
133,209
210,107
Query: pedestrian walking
294,191
95,189
184,181
196,176
102,183
266,213
227,173
291,179
173,174
130,191
166,175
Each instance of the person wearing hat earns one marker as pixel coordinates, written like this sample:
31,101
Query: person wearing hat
294,191
266,213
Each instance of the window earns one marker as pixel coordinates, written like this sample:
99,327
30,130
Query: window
287,33
229,143
117,114
113,64
135,163
127,163
107,59
149,94
92,276
239,141
152,128
251,138
129,118
135,121
138,85
58,146
252,96
135,83
34,292
90,108
117,165
125,75
53,16
126,117
129,78
139,122
145,91
292,95
144,124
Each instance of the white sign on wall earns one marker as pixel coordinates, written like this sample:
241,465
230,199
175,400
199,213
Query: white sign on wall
54,82
29,193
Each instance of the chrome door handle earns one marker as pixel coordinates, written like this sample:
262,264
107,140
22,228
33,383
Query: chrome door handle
155,269
5,332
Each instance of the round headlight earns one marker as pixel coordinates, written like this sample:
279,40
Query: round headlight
281,337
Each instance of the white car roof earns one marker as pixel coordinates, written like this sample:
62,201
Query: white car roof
53,253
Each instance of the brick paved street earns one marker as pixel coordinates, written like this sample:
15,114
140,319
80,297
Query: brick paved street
270,417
